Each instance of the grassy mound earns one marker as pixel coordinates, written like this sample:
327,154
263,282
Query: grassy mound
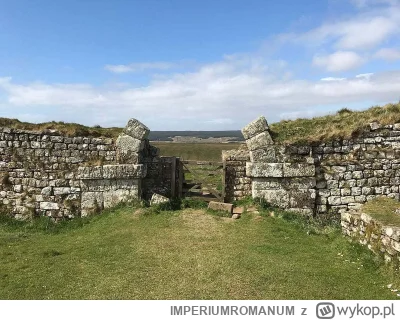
344,124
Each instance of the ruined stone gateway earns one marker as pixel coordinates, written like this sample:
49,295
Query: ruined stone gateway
46,173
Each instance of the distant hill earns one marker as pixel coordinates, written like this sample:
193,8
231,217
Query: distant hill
186,136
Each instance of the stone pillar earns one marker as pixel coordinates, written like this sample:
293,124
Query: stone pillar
131,142
282,180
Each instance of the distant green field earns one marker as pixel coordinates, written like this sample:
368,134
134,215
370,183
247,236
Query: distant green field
195,151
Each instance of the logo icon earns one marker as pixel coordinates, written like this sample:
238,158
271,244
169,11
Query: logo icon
325,310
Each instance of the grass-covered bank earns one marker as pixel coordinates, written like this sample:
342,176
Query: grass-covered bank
185,254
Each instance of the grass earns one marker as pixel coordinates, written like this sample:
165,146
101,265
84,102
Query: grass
195,151
129,253
343,124
69,129
383,209
206,174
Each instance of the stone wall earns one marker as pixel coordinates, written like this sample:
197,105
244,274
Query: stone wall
237,184
38,170
333,176
105,186
368,231
47,173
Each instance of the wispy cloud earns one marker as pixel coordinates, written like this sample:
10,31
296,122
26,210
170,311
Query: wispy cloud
365,30
365,75
367,3
388,54
332,79
338,61
139,67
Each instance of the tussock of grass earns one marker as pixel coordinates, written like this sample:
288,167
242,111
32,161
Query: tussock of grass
344,124
68,129
383,209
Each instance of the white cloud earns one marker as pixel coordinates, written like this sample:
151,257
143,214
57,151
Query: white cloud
229,89
338,61
332,79
139,67
366,29
367,3
365,75
388,54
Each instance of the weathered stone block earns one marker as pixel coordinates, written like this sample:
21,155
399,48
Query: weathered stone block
112,197
124,171
47,191
278,197
302,198
298,170
136,129
259,169
129,144
263,155
61,190
158,199
49,206
298,183
255,127
266,183
261,141
235,155
91,202
94,172
334,200
228,207
126,156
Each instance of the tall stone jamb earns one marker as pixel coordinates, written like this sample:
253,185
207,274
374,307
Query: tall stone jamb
280,179
259,141
131,142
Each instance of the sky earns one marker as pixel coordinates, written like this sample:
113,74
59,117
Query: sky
195,65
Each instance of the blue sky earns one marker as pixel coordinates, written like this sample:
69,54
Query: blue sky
195,65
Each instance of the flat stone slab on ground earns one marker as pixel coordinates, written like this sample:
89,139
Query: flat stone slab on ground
238,210
228,207
157,199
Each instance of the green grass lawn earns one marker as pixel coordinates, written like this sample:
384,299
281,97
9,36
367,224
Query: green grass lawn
186,254
383,209
195,151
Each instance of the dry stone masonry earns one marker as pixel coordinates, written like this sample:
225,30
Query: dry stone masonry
46,173
382,239
333,176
